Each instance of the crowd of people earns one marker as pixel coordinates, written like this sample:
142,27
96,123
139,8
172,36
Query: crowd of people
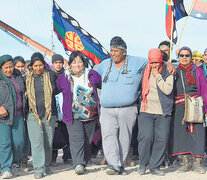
67,106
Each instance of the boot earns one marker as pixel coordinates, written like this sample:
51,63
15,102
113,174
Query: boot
197,166
23,164
186,164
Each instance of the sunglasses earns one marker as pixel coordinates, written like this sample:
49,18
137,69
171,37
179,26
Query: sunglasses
186,55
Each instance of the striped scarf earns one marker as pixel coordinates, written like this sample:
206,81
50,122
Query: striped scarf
47,93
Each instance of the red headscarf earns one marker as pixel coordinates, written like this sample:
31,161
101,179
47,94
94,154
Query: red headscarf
154,55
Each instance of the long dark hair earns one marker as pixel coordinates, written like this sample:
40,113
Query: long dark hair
74,54
18,59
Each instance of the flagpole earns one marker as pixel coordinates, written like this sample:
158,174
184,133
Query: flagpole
171,38
189,11
52,44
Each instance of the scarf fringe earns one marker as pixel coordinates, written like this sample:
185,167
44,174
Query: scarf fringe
32,99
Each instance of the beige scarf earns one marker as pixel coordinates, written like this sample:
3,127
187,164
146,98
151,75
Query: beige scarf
47,93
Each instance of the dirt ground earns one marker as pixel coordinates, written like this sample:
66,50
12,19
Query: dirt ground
97,172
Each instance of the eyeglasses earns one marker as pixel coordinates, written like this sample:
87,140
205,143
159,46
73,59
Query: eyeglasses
186,55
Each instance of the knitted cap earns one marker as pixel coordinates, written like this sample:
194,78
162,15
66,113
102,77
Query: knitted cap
5,58
185,48
57,57
155,55
118,42
197,55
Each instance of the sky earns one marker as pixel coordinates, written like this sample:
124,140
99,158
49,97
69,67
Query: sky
141,23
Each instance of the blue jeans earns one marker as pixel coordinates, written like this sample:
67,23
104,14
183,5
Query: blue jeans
41,142
11,143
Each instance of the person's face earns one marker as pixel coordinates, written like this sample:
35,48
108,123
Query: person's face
117,55
8,69
197,62
77,65
57,66
38,67
166,50
20,66
155,65
185,58
205,57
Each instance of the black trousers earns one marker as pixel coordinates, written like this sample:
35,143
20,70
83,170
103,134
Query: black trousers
153,137
66,154
80,138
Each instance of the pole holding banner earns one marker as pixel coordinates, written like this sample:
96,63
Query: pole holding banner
171,38
189,11
52,44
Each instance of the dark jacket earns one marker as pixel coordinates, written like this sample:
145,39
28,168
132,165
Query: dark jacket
39,93
165,100
6,98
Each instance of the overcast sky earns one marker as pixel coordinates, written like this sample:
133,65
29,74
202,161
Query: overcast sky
141,23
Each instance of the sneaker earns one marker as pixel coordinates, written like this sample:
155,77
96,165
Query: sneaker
16,170
157,172
123,171
38,175
80,169
48,171
6,175
141,169
111,171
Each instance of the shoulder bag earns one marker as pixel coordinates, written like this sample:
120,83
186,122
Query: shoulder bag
193,107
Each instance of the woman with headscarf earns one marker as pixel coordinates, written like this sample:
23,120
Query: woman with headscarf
12,105
79,109
155,114
188,139
40,85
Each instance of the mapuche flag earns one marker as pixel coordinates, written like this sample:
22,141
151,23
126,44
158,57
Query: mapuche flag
175,10
75,38
199,9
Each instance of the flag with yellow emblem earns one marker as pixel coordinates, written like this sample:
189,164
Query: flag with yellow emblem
75,38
